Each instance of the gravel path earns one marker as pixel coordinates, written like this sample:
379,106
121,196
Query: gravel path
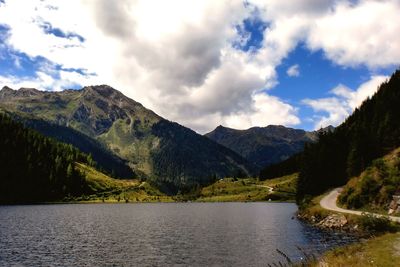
329,202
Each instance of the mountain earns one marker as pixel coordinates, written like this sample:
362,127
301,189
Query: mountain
293,163
263,146
163,152
36,168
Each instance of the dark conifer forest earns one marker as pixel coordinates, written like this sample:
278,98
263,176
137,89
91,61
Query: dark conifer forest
286,167
106,161
370,132
36,168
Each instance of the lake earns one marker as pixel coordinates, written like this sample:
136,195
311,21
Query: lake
155,234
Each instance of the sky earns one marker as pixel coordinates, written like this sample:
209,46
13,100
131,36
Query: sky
202,63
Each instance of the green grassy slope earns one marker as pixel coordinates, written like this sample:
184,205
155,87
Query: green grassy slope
373,189
107,189
230,189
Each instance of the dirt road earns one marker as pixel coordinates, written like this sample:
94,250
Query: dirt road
329,202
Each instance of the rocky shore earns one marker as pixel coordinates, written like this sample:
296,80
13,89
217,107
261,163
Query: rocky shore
334,222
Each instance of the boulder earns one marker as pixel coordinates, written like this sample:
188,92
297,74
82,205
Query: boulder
333,221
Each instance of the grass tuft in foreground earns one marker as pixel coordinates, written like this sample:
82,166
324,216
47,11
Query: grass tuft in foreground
380,251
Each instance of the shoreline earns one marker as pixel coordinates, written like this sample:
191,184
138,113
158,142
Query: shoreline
136,202
369,242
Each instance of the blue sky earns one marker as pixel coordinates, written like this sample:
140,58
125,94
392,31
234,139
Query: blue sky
303,64
317,77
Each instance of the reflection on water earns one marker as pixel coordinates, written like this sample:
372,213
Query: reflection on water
157,234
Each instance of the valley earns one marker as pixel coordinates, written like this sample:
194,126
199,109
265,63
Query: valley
110,149
200,133
105,123
109,190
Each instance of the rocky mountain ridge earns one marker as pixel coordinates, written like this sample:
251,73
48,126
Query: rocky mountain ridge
264,146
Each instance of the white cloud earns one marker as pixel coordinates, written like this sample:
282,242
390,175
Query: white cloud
349,33
365,33
289,23
176,57
293,71
343,102
267,110
336,111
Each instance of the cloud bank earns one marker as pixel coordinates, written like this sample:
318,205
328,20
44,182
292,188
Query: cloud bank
179,57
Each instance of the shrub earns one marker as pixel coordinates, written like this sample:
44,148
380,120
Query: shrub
344,196
354,201
379,164
375,224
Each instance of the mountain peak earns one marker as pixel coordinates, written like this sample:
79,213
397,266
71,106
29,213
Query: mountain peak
327,129
263,145
28,89
6,92
103,90
222,128
22,92
276,126
6,88
103,95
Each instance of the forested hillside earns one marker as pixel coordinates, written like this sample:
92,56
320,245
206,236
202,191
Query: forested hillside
198,161
292,164
286,167
36,168
370,132
105,159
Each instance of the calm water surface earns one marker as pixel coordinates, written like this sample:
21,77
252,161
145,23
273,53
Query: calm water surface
160,234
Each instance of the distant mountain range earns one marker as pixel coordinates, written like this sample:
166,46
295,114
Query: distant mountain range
124,137
264,146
